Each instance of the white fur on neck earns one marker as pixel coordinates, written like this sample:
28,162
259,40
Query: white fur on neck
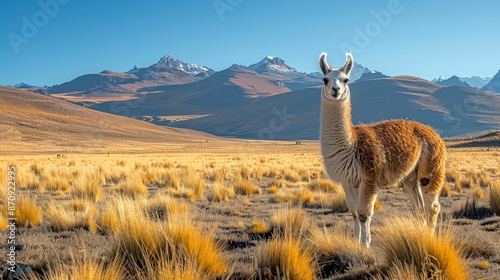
337,143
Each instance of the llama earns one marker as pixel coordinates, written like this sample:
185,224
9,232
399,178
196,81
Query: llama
365,157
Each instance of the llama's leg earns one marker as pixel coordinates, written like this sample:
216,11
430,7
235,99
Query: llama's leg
431,183
411,186
432,209
366,202
351,195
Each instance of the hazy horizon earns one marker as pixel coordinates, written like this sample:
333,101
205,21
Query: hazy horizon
53,41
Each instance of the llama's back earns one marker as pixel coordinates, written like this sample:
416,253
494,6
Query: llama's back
392,149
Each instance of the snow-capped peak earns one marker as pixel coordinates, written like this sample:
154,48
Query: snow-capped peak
440,79
189,68
272,64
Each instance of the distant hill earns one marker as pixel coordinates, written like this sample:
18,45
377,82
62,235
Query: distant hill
484,139
295,115
31,121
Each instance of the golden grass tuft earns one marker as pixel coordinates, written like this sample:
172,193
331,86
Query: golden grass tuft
451,175
245,172
401,270
336,252
495,197
291,175
323,185
482,178
245,187
339,203
302,196
27,212
305,174
279,183
169,179
197,247
110,220
135,241
89,186
257,227
26,179
408,242
221,193
191,185
61,219
477,192
162,206
283,258
86,268
272,173
133,186
464,182
57,184
273,189
445,190
175,269
219,175
290,222
179,242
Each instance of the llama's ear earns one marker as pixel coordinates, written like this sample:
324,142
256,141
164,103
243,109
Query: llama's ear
325,68
349,63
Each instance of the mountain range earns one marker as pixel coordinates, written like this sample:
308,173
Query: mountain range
479,82
271,100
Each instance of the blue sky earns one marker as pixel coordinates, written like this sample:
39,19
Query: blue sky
73,37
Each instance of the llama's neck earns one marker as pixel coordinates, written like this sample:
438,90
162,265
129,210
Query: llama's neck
337,132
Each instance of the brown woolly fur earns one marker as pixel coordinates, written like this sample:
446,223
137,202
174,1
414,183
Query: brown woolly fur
365,157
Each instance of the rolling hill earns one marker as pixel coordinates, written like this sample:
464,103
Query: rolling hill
31,121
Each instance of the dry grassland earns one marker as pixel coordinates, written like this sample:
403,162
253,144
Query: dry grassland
256,212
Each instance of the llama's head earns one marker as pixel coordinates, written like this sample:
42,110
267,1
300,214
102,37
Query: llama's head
336,80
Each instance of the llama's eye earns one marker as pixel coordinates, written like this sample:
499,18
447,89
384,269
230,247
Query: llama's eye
325,80
346,81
